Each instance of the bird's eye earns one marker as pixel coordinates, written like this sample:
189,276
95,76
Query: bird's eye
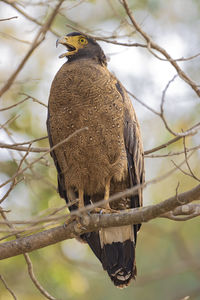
83,41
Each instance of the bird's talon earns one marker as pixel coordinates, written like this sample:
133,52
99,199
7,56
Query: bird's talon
69,220
100,210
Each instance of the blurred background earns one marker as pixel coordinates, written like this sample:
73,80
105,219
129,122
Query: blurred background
168,252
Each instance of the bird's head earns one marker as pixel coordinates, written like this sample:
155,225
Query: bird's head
81,46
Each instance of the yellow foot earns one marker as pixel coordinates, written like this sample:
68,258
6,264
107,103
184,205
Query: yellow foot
78,226
70,219
101,210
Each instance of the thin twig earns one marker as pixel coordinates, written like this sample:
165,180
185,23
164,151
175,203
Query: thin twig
9,121
9,36
144,104
34,279
90,207
10,81
34,99
14,182
191,131
14,105
42,156
153,45
173,153
108,40
30,18
94,222
7,19
22,148
177,138
187,162
6,286
29,265
31,141
36,42
179,167
183,213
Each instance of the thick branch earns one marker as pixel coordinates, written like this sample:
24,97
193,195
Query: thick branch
94,222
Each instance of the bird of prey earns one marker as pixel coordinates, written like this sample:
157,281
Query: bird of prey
103,160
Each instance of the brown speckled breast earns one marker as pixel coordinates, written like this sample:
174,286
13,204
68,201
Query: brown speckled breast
84,94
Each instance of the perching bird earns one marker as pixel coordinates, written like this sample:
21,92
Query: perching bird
103,160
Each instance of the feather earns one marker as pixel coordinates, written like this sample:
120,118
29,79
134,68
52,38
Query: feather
85,94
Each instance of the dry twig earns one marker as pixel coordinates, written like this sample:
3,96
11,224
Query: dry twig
29,265
7,19
94,222
23,13
152,45
41,157
6,286
36,42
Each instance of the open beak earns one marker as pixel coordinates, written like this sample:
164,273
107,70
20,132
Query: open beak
64,40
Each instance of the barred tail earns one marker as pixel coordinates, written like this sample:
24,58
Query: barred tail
118,254
115,248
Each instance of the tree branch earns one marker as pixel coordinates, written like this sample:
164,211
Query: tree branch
7,19
36,42
22,148
6,286
28,17
152,45
94,222
30,267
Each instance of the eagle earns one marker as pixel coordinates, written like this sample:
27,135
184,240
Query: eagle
103,160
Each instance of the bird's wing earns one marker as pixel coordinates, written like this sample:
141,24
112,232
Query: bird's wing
134,148
60,176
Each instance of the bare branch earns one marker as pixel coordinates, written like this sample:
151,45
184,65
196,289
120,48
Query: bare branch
191,131
14,182
10,81
163,145
30,266
94,222
9,36
9,121
22,148
183,213
22,101
41,157
108,40
173,153
33,278
7,19
144,104
91,207
184,172
36,42
34,99
152,45
23,13
14,105
187,162
6,286
31,141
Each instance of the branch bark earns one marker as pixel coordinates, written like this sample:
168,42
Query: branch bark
94,222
